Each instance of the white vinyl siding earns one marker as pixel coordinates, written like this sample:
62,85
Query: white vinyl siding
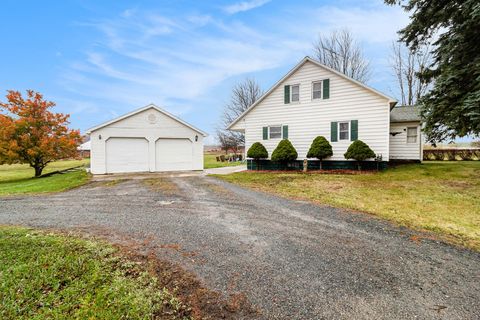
400,147
275,132
317,90
312,118
295,93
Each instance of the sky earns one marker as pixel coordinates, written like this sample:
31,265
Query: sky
100,59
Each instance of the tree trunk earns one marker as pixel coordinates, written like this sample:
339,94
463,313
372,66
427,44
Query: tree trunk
38,171
358,165
320,164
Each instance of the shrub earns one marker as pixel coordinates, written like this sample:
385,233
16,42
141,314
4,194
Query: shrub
284,152
359,151
320,149
257,151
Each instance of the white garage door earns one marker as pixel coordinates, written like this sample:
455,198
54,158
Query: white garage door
127,155
173,154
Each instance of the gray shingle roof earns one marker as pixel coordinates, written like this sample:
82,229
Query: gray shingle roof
405,114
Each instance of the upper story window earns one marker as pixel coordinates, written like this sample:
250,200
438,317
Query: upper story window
344,131
275,132
295,93
317,90
412,134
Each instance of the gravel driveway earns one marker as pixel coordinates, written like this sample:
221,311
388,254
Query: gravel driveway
293,260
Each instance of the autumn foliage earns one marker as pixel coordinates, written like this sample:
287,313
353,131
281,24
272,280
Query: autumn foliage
31,133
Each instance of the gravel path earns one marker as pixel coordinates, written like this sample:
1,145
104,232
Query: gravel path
293,260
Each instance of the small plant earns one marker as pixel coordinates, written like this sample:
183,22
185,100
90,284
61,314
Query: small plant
359,151
284,152
320,149
257,151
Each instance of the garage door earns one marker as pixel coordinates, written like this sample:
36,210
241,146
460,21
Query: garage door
126,155
173,154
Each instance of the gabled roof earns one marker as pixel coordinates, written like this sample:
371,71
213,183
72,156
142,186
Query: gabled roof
292,71
150,106
405,114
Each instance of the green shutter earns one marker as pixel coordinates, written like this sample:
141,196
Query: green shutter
333,132
287,94
285,132
326,88
354,130
265,133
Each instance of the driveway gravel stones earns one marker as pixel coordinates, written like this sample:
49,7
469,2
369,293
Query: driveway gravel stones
291,259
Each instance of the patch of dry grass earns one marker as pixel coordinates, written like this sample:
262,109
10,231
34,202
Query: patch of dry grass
163,185
442,197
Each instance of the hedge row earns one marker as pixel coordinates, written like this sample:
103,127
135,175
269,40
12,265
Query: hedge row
451,154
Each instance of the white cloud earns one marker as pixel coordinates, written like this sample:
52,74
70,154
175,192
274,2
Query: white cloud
244,6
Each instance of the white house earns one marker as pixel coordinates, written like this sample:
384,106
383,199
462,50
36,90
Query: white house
314,100
146,140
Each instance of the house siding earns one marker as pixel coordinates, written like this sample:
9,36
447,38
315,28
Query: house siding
310,118
400,149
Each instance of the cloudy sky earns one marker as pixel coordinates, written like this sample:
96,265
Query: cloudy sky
100,59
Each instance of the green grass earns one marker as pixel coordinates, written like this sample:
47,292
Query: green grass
442,197
210,161
46,276
18,178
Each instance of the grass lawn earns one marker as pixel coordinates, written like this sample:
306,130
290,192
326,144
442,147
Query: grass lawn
18,178
443,197
46,276
210,161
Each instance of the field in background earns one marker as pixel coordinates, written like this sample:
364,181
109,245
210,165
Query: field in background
18,178
210,161
442,197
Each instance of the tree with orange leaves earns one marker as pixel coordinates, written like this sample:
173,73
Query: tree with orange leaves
31,133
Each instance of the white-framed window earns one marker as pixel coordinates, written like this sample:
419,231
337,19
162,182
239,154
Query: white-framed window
275,132
295,93
344,131
316,90
412,133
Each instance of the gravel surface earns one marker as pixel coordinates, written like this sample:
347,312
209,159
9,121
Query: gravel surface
292,260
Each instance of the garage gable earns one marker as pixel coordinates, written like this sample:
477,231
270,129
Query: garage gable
149,116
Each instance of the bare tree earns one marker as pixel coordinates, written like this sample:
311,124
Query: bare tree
244,94
340,51
406,65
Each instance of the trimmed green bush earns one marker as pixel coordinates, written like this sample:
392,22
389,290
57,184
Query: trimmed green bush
359,151
284,152
320,149
257,151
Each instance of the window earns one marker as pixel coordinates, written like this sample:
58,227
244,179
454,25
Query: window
411,134
295,94
344,132
275,132
317,90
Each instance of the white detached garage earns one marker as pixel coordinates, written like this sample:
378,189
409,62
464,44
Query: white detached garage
146,140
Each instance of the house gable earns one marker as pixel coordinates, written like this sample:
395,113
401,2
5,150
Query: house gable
366,114
321,72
